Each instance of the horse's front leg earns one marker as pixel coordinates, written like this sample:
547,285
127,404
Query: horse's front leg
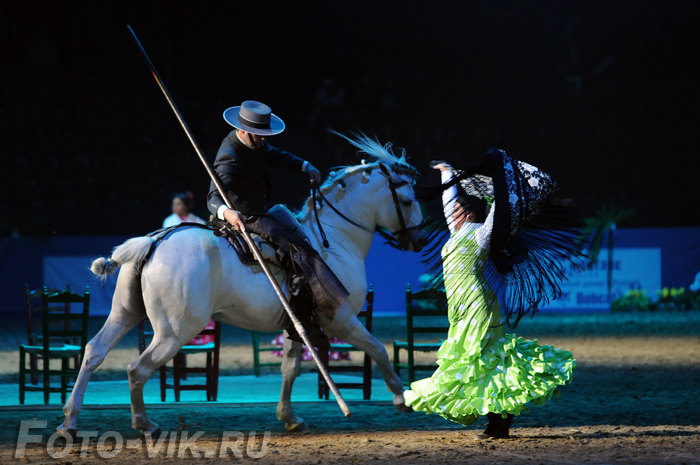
291,361
353,332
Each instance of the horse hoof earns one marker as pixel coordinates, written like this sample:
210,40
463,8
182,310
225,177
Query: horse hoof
73,434
297,428
403,408
155,434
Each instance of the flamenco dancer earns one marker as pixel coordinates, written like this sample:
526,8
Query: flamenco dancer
516,250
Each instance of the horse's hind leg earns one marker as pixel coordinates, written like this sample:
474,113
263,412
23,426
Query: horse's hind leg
127,311
291,361
161,349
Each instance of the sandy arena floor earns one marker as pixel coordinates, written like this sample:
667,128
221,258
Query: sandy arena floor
633,400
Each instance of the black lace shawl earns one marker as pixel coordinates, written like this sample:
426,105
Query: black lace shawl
535,240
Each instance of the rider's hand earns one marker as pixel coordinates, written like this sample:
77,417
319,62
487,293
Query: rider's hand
234,219
440,165
314,174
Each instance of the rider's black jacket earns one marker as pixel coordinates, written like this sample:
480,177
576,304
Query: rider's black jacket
243,174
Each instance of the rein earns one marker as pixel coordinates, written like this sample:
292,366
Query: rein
401,243
403,232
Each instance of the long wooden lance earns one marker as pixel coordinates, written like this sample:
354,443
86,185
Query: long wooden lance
256,252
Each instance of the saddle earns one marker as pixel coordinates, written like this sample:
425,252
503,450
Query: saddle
268,250
240,246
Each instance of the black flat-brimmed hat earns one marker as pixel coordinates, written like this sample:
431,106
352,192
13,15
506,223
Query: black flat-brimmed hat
255,118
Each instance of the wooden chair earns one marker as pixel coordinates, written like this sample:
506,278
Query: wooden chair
365,368
63,337
426,313
180,370
33,312
257,349
145,334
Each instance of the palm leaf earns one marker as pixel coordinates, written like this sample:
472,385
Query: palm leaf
596,227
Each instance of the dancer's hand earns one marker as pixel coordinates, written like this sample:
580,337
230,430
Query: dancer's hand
440,165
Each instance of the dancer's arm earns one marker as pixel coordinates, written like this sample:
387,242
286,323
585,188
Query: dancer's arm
483,232
449,195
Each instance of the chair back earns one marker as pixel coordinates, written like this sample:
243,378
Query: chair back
213,330
65,317
366,313
145,333
32,308
426,312
33,312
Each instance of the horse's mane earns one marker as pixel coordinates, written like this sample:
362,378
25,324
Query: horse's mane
380,153
377,152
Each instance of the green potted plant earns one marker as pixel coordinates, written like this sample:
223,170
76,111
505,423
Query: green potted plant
633,300
597,227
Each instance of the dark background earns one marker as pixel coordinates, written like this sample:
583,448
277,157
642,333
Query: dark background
602,94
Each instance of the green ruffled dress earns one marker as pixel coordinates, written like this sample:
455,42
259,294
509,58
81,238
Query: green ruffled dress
481,368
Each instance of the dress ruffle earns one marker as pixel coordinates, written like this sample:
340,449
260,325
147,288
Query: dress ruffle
506,377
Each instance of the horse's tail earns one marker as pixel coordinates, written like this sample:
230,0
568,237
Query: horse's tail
132,251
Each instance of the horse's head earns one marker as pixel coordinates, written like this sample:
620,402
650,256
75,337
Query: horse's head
398,210
388,198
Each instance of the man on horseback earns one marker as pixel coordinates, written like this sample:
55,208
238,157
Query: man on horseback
241,164
242,161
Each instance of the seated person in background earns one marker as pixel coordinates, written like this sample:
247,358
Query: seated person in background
182,204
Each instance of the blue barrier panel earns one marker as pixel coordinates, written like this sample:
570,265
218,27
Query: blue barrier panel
22,261
643,257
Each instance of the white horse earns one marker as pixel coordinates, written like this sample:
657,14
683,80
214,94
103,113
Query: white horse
193,276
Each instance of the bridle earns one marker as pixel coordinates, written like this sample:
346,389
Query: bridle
399,239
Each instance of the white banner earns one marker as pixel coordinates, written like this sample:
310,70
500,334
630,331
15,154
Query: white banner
633,268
